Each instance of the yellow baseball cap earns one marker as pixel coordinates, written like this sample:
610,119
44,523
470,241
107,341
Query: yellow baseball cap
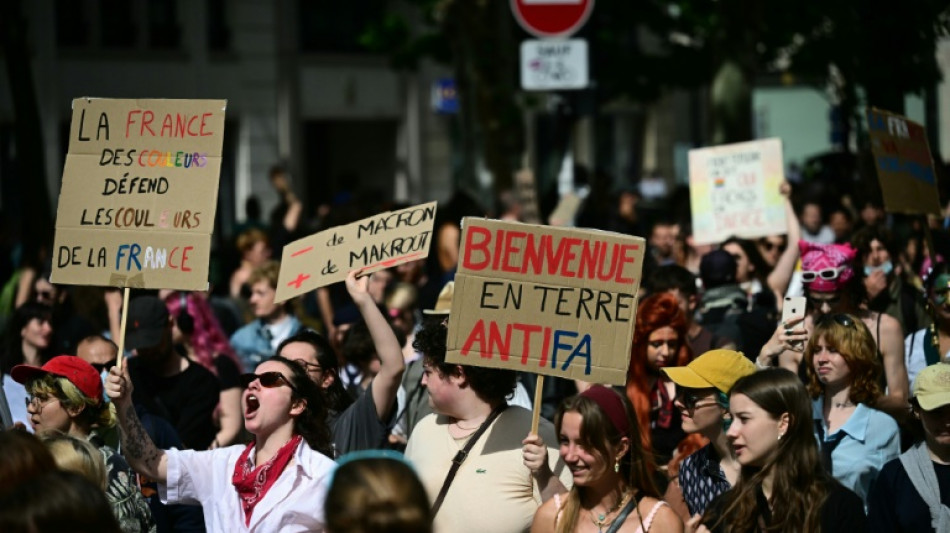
932,386
718,369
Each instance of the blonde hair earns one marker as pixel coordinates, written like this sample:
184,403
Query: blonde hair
269,271
73,454
94,411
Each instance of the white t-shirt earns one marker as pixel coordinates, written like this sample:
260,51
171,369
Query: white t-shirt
293,503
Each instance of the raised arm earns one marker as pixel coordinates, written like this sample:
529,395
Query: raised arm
137,447
781,275
386,383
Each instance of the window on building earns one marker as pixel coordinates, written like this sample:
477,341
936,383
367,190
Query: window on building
163,28
72,24
219,31
335,27
117,27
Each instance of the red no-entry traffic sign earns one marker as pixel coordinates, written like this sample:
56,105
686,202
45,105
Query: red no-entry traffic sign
551,18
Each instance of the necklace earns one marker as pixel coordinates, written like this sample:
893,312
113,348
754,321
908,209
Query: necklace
463,428
601,520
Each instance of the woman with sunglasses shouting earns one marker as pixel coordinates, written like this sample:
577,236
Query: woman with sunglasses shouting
278,482
844,379
832,287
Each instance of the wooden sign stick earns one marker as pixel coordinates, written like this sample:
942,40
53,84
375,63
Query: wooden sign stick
536,413
125,317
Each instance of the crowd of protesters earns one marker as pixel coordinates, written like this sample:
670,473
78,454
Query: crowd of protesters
338,411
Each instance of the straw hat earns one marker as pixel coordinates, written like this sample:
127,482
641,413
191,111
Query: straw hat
444,304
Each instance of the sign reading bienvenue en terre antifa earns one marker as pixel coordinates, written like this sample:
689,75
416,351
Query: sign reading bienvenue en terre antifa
375,243
905,167
140,188
559,302
734,190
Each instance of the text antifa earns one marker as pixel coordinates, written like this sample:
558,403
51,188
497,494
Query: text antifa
527,253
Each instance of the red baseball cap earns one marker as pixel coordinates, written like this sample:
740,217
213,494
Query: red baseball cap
77,371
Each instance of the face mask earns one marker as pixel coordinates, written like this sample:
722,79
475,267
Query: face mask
885,267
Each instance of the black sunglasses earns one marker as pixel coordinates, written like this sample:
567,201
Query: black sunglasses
267,379
689,400
103,366
768,246
816,303
841,319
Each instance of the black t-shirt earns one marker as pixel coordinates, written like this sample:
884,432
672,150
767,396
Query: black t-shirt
186,400
842,511
229,375
895,506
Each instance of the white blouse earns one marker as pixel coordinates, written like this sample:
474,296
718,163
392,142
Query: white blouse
293,503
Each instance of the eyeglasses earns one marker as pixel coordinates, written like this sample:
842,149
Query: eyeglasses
841,319
309,367
690,401
103,367
268,380
37,403
809,276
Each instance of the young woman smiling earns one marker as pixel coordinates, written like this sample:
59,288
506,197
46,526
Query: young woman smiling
613,485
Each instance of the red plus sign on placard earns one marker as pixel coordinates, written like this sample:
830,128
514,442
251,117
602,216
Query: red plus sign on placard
300,279
551,18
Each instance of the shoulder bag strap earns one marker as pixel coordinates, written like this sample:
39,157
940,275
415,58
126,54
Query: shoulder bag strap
462,454
624,513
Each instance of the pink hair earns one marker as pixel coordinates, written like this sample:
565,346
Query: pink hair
207,339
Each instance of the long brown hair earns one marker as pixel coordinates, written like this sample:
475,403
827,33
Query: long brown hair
655,312
798,479
598,435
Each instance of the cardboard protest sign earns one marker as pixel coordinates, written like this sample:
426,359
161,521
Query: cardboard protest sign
559,302
139,193
375,243
565,211
904,165
734,190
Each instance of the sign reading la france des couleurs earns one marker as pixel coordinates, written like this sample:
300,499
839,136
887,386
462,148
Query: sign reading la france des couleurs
139,192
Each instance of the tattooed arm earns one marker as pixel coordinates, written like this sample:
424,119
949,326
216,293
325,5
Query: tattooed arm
137,447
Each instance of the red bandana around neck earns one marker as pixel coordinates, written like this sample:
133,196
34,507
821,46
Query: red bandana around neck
253,483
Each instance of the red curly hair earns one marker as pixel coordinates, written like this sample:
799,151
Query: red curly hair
656,311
